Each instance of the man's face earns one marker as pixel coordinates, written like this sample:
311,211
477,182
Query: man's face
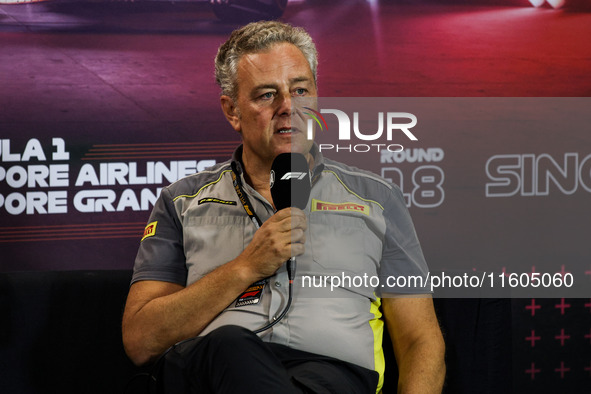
267,81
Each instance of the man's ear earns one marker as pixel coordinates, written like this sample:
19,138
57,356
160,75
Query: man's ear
231,112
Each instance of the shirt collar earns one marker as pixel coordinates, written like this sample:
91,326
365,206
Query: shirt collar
314,151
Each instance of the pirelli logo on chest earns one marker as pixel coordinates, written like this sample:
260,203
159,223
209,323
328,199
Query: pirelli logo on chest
150,230
319,206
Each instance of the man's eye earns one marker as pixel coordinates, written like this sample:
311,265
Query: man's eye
300,91
267,96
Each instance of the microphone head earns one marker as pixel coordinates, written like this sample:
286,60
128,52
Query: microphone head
290,181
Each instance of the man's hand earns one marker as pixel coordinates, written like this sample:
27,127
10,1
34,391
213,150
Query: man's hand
160,314
279,238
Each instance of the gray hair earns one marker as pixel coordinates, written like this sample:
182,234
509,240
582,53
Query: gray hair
257,37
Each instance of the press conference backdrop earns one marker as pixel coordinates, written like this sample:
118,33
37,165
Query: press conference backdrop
497,188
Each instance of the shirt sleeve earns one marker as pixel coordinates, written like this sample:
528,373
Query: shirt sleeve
161,254
403,269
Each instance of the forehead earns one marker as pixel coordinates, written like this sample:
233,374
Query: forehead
280,61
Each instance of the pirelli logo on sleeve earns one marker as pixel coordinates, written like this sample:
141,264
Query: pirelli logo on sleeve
320,206
150,230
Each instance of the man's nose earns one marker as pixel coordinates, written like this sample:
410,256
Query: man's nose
284,104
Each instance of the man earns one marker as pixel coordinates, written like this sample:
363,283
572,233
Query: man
213,267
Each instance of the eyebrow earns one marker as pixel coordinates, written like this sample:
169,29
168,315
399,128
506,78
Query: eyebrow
274,86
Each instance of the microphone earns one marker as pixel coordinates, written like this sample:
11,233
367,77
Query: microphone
290,181
290,187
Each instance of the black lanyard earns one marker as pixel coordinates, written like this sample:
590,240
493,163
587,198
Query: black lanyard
257,223
248,208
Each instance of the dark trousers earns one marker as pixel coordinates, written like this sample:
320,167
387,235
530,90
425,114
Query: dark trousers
233,360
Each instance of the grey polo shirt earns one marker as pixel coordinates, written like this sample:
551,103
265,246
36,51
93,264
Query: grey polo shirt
358,227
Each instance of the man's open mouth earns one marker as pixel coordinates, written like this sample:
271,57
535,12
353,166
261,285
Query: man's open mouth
286,130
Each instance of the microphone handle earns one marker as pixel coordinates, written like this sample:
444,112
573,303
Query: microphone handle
291,268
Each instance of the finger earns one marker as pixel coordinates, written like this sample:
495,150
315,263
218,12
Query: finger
297,249
298,217
287,223
298,236
283,213
297,211
289,211
300,223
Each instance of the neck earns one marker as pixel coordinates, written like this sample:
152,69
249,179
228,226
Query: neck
257,175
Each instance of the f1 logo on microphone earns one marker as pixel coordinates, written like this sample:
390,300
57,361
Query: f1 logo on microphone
294,175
